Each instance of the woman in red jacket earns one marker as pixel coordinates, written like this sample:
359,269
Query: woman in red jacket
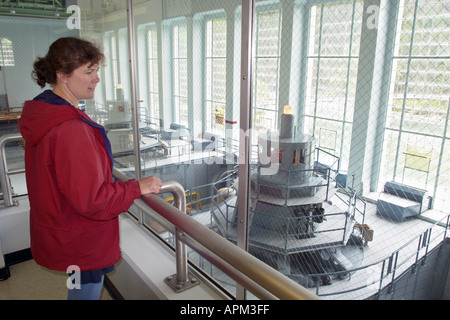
74,201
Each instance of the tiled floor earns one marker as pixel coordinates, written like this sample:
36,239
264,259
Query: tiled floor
30,281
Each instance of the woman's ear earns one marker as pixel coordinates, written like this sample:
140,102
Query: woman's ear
62,77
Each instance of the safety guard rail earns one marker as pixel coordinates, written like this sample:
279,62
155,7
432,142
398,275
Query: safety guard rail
4,172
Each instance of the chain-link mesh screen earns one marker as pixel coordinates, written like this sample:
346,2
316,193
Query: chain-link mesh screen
349,131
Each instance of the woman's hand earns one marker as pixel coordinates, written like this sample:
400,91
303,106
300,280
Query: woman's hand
150,185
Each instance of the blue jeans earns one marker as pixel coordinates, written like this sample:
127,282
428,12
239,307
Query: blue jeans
88,291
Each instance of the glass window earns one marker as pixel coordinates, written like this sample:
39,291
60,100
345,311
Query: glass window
267,69
415,150
152,51
112,73
189,77
180,73
334,37
215,59
7,53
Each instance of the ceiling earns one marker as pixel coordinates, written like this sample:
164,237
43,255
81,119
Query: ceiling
35,8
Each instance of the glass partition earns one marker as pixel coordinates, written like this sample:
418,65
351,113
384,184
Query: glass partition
322,119
346,96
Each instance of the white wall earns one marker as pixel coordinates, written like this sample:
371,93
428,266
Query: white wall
31,37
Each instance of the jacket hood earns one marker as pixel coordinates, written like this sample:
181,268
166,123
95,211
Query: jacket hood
38,118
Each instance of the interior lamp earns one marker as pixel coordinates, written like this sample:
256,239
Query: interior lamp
287,122
287,109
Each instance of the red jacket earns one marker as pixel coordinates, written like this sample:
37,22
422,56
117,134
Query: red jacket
75,203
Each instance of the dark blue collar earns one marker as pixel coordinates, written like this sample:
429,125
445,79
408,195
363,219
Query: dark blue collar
48,96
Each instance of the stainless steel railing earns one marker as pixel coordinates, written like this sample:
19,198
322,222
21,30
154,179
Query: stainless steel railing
4,172
182,280
259,278
4,180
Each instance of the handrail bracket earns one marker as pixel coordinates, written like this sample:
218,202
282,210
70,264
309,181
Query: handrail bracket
183,279
179,287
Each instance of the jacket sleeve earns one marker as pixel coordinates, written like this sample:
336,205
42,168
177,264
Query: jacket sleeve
83,174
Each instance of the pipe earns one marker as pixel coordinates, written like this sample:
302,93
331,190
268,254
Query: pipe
178,192
181,278
247,48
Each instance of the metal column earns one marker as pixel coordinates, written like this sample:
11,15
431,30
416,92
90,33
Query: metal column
248,15
133,90
134,97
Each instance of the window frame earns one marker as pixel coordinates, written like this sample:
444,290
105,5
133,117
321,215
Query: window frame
212,115
181,114
258,109
438,142
345,123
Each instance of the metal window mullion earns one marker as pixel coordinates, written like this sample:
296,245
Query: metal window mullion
211,58
149,59
177,77
278,58
207,71
318,69
211,80
151,72
133,90
405,96
247,49
333,57
423,57
344,122
255,75
441,155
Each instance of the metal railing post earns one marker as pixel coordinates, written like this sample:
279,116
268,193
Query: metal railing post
4,172
6,189
180,281
4,269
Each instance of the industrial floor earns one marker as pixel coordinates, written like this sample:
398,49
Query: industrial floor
30,281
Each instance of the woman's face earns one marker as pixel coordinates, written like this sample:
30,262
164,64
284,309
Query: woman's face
81,84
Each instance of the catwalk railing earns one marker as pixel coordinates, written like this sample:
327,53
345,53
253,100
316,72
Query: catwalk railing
254,275
384,272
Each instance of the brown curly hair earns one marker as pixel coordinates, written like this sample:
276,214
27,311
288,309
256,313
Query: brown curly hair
65,55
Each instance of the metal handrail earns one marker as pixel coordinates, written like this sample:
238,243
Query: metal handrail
4,172
256,276
181,280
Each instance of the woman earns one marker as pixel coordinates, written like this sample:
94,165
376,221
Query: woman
74,201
